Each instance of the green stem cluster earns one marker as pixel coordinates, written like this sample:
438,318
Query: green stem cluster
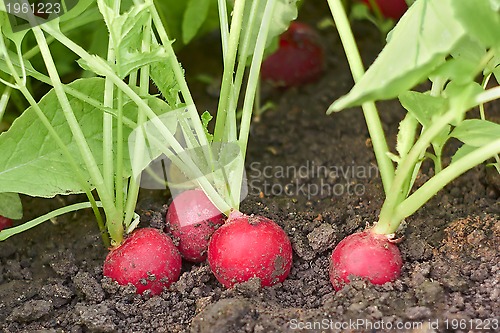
399,204
112,214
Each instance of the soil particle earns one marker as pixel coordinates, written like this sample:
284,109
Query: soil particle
56,292
7,249
63,263
23,291
31,310
449,274
417,249
250,288
322,237
14,270
96,318
86,284
429,293
493,181
418,312
301,247
225,316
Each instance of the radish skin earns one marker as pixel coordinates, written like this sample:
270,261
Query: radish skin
393,9
147,258
299,59
249,247
192,219
5,222
367,255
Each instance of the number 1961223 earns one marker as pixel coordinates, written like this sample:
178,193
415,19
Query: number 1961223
39,8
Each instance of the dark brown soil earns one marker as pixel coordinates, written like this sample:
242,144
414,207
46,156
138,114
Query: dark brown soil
51,276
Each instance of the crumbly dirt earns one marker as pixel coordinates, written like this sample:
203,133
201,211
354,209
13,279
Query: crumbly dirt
51,276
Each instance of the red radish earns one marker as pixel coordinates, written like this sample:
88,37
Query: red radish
393,9
5,222
192,218
299,59
247,247
367,255
148,259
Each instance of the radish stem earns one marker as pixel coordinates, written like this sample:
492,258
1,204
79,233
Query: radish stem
114,225
411,204
369,109
6,233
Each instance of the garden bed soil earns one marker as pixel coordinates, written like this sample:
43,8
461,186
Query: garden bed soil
51,276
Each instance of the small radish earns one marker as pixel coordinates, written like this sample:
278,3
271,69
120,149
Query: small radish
192,219
249,247
5,222
147,258
393,9
367,255
299,59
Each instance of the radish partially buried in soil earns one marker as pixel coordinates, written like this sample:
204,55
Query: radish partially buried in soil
371,254
299,59
148,259
367,255
249,247
192,219
5,222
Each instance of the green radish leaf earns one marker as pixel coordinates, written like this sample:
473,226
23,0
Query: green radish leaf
30,71
395,158
463,67
285,11
32,163
360,11
129,61
96,45
419,43
495,165
470,50
206,117
423,106
480,19
196,13
462,97
443,136
461,152
173,13
125,31
493,66
163,76
6,29
496,73
476,132
459,70
11,206
80,6
83,26
134,60
96,65
406,135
